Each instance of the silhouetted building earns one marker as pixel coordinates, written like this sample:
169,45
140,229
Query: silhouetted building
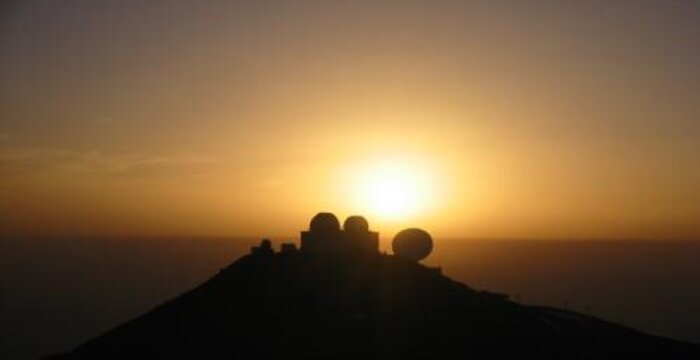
325,236
357,234
265,248
412,244
288,248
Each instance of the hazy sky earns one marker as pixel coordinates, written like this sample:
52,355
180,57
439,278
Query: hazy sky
519,118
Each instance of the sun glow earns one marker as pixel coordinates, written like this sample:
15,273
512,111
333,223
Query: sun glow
393,189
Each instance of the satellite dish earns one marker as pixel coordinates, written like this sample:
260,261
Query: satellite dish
412,244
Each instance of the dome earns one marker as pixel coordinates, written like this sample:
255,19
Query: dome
324,222
356,223
412,244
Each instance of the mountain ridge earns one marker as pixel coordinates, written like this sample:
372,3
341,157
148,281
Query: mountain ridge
361,306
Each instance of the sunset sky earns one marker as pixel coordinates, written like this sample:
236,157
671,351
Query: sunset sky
518,119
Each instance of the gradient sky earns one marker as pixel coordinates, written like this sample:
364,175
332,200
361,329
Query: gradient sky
524,118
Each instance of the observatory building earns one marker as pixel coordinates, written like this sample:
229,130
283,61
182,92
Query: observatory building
325,236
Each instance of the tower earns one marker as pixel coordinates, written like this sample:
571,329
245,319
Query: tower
323,234
358,236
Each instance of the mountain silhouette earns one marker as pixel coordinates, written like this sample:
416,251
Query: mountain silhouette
348,301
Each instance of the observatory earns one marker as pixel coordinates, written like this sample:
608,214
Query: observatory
325,236
412,244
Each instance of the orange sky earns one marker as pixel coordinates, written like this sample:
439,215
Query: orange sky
538,120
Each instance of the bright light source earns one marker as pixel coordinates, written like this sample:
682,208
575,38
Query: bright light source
392,189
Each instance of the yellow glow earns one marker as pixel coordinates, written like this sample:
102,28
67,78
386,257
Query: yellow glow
393,189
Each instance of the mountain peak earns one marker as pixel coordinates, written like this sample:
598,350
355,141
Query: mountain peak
348,301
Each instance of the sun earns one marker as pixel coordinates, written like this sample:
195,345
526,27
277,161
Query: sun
390,196
393,189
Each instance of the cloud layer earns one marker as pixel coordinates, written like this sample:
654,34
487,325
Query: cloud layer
33,161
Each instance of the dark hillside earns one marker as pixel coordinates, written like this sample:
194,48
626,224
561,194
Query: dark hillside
361,306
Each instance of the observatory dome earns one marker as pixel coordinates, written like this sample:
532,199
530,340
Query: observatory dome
412,244
356,223
324,222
